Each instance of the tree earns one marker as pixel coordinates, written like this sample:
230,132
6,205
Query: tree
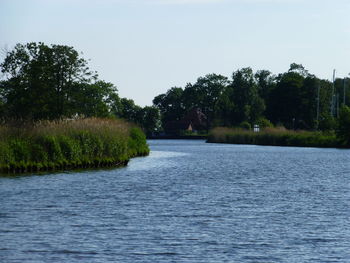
151,120
224,109
98,99
148,118
299,69
295,99
342,91
265,83
308,103
205,94
170,104
249,106
343,130
326,121
51,82
286,100
130,111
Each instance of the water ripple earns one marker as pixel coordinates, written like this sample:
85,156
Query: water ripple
187,202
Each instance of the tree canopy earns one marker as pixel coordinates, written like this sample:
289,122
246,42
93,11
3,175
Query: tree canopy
53,82
295,99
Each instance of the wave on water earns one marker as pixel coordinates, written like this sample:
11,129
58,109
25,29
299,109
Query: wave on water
156,159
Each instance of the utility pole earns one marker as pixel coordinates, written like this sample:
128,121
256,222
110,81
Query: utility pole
344,87
337,101
318,104
344,84
333,96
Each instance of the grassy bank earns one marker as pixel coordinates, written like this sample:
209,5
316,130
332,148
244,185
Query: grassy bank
274,137
70,144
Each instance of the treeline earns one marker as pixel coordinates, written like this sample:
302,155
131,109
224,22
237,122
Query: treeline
57,114
51,82
295,99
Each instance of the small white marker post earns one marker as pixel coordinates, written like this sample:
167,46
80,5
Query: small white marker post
256,128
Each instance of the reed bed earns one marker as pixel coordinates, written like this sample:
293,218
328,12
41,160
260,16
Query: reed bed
69,144
274,137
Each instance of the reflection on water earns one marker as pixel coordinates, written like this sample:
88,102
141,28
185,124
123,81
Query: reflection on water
156,159
187,202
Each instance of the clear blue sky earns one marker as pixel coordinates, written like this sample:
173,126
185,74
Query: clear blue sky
145,47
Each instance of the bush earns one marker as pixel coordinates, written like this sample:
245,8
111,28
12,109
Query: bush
245,125
264,123
326,123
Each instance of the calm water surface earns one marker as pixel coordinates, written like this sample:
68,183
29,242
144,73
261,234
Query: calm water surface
187,202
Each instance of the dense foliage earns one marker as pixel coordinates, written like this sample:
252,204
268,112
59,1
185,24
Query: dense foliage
295,99
66,144
343,130
42,82
49,101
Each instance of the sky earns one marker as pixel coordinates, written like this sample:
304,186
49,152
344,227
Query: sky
145,47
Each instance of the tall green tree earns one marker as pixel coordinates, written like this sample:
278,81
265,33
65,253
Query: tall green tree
249,106
130,111
308,103
50,82
224,109
286,99
205,94
98,99
343,130
148,117
151,120
170,104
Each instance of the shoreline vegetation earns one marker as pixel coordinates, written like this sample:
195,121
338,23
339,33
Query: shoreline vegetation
276,137
44,87
69,144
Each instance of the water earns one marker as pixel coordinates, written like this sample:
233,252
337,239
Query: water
187,202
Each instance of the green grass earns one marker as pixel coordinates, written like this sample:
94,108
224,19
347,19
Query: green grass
274,137
69,144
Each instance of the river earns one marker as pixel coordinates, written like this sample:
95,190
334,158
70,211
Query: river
187,202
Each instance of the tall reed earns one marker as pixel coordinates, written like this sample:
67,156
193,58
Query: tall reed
67,144
274,137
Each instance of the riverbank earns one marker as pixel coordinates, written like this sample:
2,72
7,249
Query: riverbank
69,144
274,137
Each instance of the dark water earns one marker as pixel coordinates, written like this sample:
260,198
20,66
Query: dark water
187,202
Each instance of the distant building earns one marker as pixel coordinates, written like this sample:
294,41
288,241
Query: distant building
176,127
197,118
194,120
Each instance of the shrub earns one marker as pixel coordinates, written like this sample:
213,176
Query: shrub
245,125
264,123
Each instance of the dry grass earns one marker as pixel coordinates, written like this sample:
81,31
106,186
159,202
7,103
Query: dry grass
65,127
